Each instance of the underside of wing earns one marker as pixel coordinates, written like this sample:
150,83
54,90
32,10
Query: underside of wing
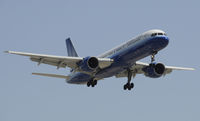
63,61
168,69
59,61
143,68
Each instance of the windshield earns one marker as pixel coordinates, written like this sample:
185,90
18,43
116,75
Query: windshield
154,34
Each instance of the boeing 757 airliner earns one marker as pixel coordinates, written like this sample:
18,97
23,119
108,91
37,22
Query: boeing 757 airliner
121,61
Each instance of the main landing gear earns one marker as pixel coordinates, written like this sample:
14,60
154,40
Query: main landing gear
92,83
129,85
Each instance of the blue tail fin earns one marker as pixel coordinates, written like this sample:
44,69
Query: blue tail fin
70,48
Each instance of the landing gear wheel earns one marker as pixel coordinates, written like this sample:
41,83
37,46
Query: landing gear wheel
128,86
95,82
125,87
92,83
132,85
88,84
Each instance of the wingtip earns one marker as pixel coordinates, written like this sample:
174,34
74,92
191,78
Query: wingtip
193,69
34,73
190,69
7,51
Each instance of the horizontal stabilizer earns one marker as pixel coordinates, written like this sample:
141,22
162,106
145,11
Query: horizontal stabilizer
52,75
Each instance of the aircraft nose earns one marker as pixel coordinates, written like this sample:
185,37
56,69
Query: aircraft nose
163,41
166,40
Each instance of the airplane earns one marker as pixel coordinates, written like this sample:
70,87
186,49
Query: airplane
121,61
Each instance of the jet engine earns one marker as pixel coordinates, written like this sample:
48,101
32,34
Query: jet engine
89,64
154,70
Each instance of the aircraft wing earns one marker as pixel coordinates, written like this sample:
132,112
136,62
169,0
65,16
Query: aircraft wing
59,61
138,69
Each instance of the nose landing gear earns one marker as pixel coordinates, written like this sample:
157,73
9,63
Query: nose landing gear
153,56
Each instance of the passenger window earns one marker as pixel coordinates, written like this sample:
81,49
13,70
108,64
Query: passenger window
160,33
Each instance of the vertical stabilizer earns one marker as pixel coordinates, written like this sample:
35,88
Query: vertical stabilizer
70,48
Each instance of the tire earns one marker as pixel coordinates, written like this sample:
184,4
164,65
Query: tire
132,85
88,84
129,87
125,87
95,82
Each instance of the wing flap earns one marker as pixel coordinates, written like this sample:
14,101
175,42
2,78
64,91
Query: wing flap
49,62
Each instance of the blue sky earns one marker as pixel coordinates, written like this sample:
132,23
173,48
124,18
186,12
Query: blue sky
41,26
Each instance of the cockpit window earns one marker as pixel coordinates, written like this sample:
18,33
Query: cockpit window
154,34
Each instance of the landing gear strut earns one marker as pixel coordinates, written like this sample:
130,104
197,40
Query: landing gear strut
92,83
153,56
129,85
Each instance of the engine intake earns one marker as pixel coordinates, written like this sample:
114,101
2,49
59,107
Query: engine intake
93,62
89,64
154,70
159,68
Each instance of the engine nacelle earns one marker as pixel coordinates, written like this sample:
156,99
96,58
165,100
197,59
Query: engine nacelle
89,64
154,70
